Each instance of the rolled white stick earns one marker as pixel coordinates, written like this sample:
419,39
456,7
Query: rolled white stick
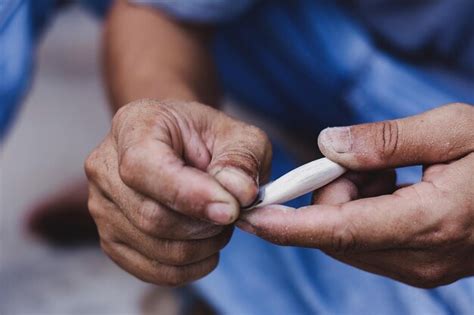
301,180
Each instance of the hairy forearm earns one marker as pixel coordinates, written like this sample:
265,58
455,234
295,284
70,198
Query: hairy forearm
148,55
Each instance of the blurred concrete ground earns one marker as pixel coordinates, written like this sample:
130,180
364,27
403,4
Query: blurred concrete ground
64,116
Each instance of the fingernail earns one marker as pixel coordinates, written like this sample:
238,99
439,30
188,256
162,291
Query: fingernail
337,139
240,184
221,213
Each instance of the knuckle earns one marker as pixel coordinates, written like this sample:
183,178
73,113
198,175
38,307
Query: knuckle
150,217
168,104
388,137
129,164
106,234
447,230
429,276
133,109
120,119
343,237
94,207
105,230
180,253
450,233
90,165
265,146
259,134
247,151
121,115
175,200
97,164
242,158
133,159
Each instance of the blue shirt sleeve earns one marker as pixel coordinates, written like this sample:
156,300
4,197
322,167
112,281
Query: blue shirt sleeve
97,7
202,11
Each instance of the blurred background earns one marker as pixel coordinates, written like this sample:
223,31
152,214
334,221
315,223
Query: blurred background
66,106
63,117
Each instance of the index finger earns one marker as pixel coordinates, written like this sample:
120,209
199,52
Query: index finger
402,219
153,168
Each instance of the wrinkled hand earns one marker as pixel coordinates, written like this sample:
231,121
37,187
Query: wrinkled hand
166,181
422,234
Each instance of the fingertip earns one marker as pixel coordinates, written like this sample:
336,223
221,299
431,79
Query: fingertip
222,213
239,184
323,142
341,145
335,149
199,195
337,140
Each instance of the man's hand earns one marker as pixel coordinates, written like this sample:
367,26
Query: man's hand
166,181
422,234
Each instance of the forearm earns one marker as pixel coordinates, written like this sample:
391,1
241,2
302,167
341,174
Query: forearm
148,55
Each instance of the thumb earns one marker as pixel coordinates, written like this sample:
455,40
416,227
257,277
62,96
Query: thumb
241,157
436,136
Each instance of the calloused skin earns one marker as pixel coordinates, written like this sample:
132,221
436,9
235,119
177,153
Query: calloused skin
154,188
166,183
421,234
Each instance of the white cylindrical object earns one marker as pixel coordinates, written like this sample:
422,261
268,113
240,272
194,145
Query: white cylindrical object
301,180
